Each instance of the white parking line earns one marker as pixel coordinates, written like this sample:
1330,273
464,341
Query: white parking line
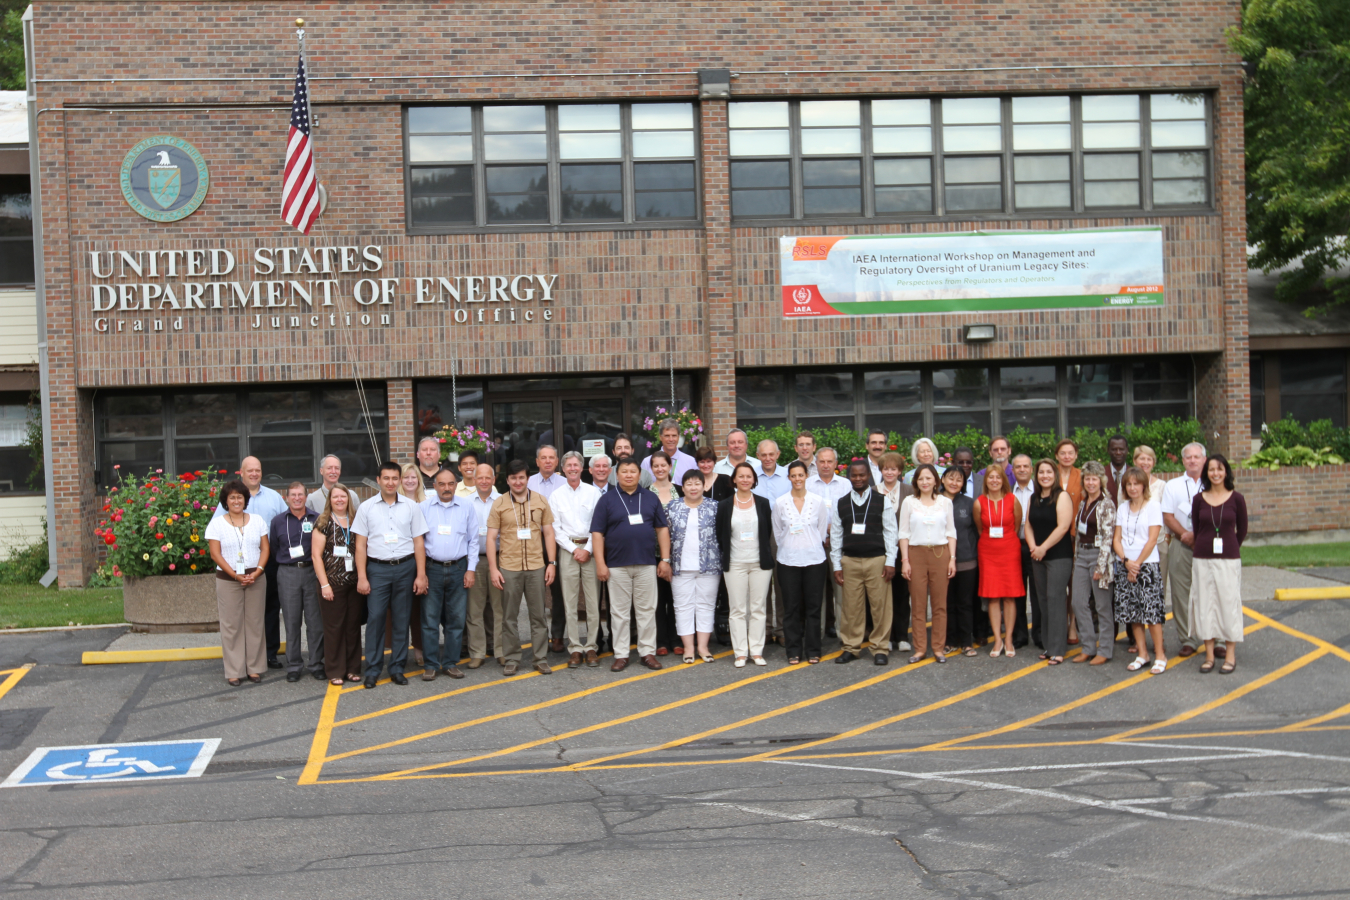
809,818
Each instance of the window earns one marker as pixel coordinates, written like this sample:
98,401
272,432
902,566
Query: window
1096,395
288,430
1160,388
1312,386
570,164
18,472
1028,397
893,158
1256,365
893,401
961,399
822,399
16,230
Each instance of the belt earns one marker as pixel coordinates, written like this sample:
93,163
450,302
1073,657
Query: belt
579,540
299,563
390,562
446,563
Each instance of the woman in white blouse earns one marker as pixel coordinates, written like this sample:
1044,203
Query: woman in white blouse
801,523
927,559
238,542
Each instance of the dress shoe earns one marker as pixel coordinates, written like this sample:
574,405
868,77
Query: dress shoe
292,677
662,651
1220,652
509,669
651,662
398,678
318,674
620,663
274,663
369,682
831,632
453,672
429,673
880,659
574,661
592,658
845,657
542,667
556,646
1186,651
475,663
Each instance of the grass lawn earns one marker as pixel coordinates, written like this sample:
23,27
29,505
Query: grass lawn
31,606
1298,556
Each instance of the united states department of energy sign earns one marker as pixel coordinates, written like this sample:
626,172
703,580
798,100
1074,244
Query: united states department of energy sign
972,271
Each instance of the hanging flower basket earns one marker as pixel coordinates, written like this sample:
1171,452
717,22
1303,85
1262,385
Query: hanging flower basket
455,440
691,425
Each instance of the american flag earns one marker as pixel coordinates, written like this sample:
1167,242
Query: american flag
300,193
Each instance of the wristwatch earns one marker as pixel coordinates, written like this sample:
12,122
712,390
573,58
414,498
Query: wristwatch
552,562
664,560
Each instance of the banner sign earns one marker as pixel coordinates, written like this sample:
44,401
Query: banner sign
971,271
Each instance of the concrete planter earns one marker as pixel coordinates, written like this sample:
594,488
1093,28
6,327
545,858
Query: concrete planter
171,603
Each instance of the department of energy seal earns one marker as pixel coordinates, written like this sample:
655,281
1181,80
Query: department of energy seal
164,178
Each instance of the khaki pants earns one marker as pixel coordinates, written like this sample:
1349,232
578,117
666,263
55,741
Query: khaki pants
747,588
1179,558
928,585
579,577
241,626
529,586
632,594
480,595
864,587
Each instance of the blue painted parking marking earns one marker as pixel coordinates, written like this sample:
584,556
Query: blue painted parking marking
107,763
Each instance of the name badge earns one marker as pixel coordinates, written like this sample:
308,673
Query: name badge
445,529
523,534
339,551
1218,545
796,529
239,568
391,538
297,552
747,535
996,531
1097,541
306,527
860,528
635,519
1082,527
347,564
482,531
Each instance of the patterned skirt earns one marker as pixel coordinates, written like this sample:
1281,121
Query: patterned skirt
1142,600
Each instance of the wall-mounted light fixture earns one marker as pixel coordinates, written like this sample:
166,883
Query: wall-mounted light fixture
714,84
979,334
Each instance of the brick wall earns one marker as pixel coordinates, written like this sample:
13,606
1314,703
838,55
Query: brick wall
1295,500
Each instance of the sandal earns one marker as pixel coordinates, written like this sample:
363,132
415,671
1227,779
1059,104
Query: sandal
233,682
1207,666
813,660
1054,660
335,682
1010,652
1227,668
993,654
354,678
1043,657
969,651
794,660
1139,663
1159,666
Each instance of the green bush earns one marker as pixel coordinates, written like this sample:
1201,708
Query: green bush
1274,457
28,564
1288,433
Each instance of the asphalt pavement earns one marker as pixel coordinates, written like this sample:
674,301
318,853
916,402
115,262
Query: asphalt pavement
998,778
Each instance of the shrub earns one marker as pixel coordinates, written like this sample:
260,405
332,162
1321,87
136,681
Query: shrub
26,565
1288,433
157,525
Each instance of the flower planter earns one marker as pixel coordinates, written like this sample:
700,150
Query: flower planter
171,603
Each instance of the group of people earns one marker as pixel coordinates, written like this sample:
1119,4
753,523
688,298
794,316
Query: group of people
667,552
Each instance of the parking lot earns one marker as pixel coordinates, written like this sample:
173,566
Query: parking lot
981,778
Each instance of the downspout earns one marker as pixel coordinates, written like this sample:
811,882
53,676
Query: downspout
40,289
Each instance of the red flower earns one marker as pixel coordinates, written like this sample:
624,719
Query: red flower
110,538
159,536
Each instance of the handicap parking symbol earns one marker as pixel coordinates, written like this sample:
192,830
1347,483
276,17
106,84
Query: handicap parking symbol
105,763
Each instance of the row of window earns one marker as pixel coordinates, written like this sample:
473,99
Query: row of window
288,430
1306,384
574,164
913,402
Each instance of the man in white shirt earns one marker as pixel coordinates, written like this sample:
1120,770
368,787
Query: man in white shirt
738,446
573,504
1023,490
601,472
830,487
876,447
391,565
485,598
680,462
1178,494
330,470
772,483
864,539
806,451
545,482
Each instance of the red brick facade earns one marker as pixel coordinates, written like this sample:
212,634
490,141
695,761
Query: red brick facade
219,76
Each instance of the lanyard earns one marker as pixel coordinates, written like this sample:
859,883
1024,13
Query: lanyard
344,533
639,503
853,508
523,511
239,529
1219,524
998,510
1087,509
289,543
1130,536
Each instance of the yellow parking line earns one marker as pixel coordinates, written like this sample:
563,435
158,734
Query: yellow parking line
1315,641
1229,697
12,677
169,654
323,732
513,712
1318,720
1321,593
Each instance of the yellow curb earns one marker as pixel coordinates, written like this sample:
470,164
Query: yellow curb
174,654
1326,593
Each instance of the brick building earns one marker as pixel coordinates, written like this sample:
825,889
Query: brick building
587,200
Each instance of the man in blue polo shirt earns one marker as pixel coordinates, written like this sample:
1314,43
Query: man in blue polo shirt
627,528
297,588
451,545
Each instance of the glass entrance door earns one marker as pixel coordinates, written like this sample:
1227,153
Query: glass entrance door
587,421
518,428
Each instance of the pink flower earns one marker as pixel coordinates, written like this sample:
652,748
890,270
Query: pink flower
159,471
196,504
172,567
154,519
649,445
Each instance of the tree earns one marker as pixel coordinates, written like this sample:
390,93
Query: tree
1297,103
13,76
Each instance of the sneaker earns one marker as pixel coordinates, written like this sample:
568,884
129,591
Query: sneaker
429,673
903,645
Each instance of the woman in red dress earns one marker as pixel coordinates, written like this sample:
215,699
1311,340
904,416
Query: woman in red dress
997,515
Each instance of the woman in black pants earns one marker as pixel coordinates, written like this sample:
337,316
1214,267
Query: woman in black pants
801,523
961,594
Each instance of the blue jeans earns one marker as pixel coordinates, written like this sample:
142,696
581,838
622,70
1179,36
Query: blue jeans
446,602
390,591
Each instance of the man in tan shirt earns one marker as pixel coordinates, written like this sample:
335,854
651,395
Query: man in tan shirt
523,566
